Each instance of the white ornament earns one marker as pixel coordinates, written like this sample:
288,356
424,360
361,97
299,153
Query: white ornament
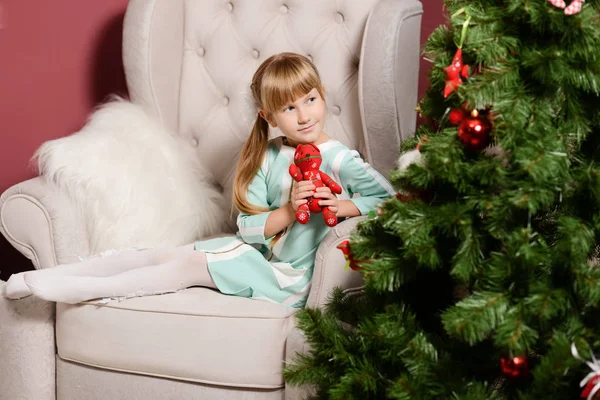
408,158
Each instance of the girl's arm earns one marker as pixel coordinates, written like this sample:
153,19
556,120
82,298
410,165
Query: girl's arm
359,177
279,219
253,227
342,208
347,208
261,228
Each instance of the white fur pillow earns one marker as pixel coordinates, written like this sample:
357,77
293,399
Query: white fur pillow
135,184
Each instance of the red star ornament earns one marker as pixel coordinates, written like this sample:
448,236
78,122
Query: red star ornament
454,72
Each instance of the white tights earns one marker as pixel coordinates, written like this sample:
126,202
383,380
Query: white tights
123,274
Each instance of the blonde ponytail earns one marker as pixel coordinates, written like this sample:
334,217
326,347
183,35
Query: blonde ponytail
248,165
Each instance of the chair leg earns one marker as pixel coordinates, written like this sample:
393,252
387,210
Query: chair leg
296,343
27,349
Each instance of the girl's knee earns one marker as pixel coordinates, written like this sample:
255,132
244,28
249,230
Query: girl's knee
196,258
167,256
182,255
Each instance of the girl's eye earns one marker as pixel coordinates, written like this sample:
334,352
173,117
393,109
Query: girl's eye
290,108
311,99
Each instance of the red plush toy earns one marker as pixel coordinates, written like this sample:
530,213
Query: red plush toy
307,161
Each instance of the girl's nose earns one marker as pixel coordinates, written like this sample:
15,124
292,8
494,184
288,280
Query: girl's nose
302,117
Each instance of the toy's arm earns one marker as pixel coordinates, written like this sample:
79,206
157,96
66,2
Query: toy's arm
295,173
330,183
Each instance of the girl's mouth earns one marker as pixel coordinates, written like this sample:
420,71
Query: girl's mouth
307,129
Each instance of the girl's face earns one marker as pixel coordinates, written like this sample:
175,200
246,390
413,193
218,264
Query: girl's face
302,120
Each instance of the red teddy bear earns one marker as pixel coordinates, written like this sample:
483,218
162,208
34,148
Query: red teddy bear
307,161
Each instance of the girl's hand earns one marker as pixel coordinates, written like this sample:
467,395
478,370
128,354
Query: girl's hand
327,199
300,192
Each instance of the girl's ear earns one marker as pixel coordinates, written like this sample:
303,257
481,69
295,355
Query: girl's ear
263,116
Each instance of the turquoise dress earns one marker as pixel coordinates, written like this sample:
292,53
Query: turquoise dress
248,265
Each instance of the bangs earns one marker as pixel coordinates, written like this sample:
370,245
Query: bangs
285,81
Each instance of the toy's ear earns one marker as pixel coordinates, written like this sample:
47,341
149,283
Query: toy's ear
315,147
299,147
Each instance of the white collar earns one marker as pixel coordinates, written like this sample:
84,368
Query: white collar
322,147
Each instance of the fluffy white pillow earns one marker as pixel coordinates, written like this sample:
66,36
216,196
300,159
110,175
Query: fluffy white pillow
135,184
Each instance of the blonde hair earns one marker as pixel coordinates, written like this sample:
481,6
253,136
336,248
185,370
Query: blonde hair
278,81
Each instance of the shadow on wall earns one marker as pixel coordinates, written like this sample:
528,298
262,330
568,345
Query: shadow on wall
106,71
106,77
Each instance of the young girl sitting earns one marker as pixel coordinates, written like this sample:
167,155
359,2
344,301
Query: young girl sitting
272,256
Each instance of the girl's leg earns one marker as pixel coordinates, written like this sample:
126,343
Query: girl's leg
97,266
189,268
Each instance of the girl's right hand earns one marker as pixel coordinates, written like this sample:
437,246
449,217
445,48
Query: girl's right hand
300,192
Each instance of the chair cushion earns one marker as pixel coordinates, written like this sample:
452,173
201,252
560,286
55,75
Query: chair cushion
196,334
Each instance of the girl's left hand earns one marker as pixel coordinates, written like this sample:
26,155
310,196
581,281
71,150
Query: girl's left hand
327,198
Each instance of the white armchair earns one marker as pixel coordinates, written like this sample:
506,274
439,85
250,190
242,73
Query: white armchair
189,63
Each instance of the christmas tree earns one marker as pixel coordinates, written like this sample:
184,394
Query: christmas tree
482,276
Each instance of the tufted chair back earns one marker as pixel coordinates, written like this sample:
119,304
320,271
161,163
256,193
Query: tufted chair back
190,62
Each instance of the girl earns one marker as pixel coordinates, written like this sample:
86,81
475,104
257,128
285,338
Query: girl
272,256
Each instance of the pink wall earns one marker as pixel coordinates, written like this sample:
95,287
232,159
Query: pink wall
433,16
58,60
55,66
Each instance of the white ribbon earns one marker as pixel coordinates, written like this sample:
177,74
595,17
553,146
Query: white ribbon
594,366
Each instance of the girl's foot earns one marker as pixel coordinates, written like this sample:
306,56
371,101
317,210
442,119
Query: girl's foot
63,289
16,288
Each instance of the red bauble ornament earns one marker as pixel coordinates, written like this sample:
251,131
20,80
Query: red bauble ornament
456,115
474,131
515,367
454,72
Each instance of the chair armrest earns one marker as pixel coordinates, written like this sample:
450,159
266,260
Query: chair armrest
294,345
27,348
42,223
329,272
329,264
